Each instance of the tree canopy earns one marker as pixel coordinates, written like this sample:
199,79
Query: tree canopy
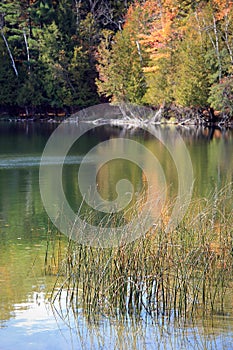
70,54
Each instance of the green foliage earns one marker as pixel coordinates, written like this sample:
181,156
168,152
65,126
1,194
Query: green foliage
160,83
73,53
31,91
120,68
88,31
43,12
191,85
221,95
65,73
8,80
54,57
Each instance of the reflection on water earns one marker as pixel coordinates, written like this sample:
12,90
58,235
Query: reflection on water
26,317
37,325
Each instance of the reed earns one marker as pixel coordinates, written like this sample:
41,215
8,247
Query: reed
175,274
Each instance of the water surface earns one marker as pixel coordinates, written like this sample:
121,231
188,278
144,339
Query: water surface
27,320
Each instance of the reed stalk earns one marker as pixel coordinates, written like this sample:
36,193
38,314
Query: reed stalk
182,273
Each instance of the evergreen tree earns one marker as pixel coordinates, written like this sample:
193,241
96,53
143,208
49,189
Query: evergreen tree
8,80
120,68
59,53
191,83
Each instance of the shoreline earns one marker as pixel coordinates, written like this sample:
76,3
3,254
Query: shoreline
168,115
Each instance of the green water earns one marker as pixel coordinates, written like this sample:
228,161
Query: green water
26,318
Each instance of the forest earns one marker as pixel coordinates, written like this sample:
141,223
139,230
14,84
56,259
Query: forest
62,56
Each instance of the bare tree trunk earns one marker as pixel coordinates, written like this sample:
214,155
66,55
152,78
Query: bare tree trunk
215,43
199,28
10,54
226,39
93,4
139,51
217,49
27,49
77,7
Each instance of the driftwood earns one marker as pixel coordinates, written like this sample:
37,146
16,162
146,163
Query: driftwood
131,115
193,115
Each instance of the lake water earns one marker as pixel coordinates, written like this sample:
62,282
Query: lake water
27,320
